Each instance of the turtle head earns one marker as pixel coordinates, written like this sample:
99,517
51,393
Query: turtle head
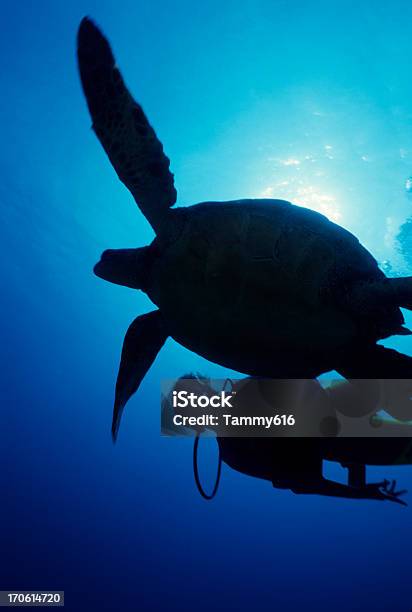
128,267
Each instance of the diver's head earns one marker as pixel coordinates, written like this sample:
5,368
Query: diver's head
128,267
191,383
195,382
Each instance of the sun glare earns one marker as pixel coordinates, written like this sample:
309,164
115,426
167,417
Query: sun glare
297,186
308,196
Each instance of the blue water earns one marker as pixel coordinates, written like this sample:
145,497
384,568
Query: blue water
305,101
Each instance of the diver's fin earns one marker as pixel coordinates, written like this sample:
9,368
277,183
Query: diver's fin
142,342
380,491
122,127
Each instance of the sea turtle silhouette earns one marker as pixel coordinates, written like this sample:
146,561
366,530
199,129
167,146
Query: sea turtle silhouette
259,286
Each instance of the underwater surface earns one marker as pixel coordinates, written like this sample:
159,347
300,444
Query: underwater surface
310,102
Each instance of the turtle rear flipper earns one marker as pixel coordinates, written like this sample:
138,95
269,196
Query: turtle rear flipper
402,288
122,127
381,364
142,342
386,292
375,362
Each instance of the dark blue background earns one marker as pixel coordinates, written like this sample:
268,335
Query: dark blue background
306,101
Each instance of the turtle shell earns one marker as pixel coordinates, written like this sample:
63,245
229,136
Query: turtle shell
263,286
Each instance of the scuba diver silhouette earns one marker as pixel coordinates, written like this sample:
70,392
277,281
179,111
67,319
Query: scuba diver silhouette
295,463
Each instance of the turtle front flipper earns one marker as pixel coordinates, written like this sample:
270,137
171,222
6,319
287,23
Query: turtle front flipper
122,127
142,342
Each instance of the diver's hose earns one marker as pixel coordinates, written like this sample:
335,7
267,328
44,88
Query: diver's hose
196,471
